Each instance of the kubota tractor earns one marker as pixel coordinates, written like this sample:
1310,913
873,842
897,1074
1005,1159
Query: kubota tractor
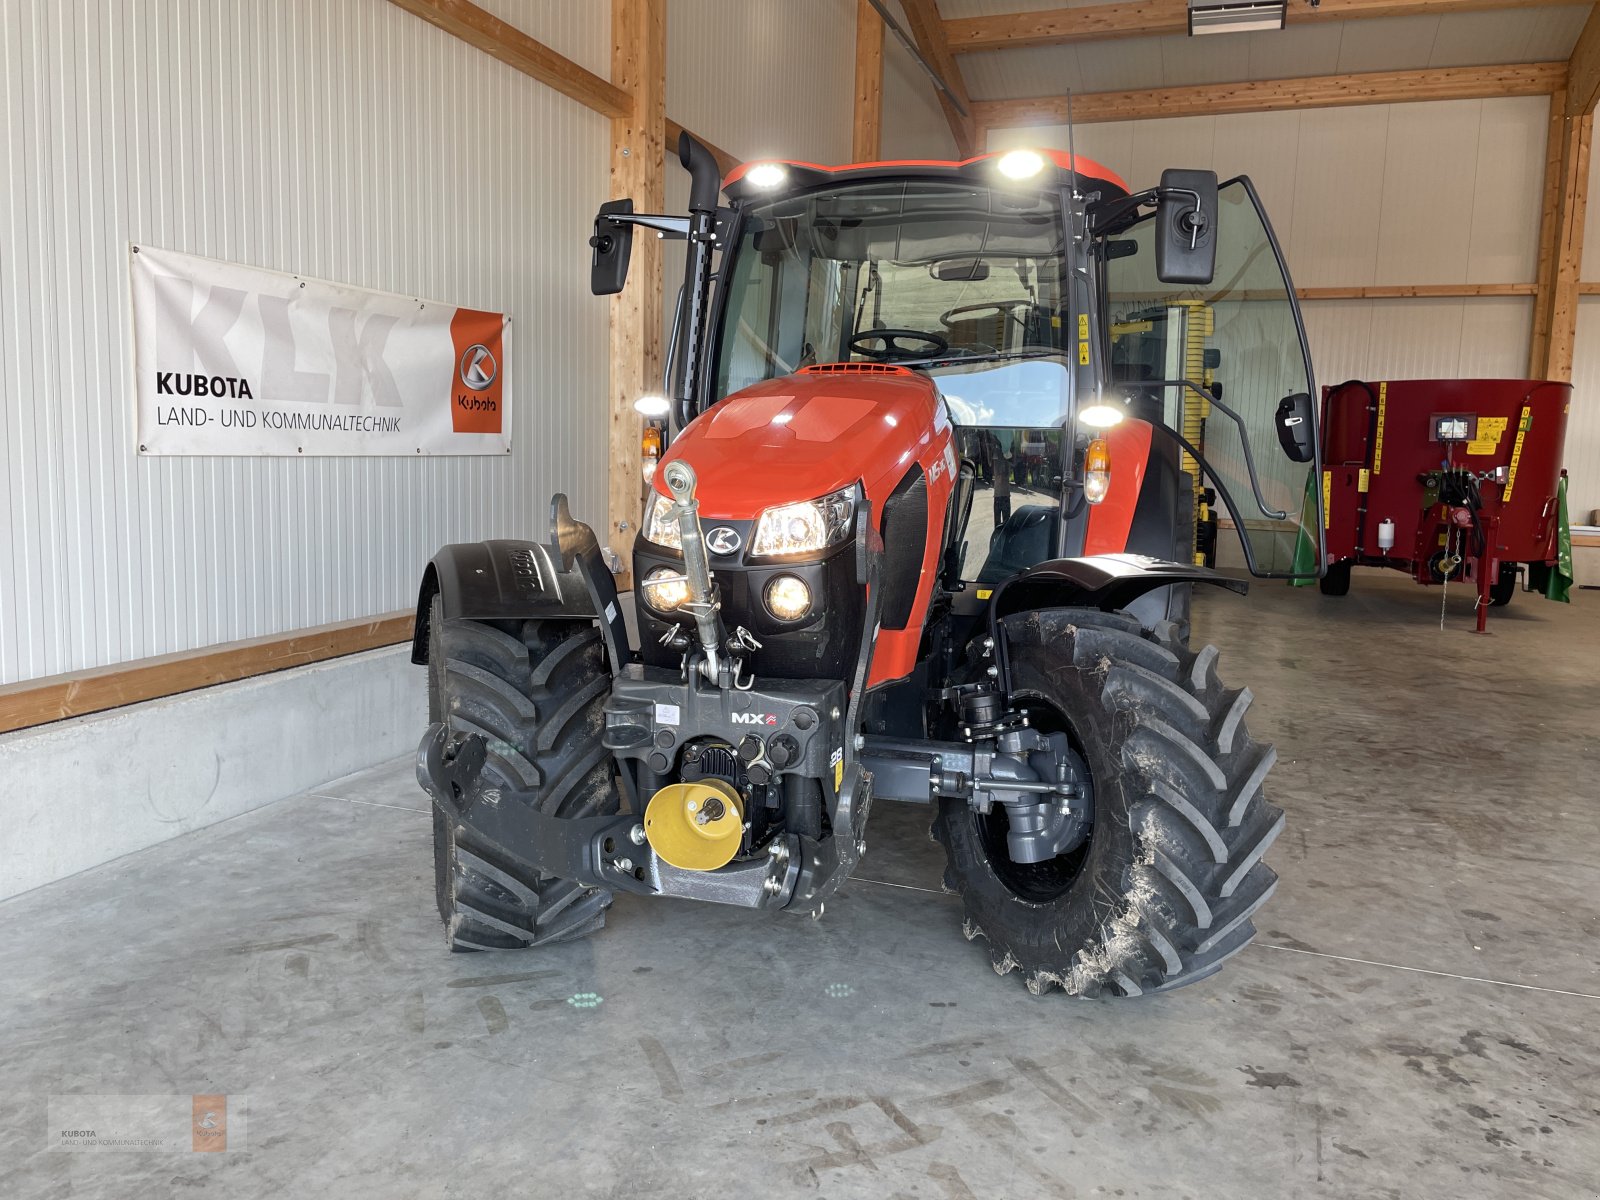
912,537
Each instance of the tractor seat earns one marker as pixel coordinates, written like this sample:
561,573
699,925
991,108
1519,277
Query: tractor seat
1027,538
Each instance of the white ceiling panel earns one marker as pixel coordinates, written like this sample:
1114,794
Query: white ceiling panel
1187,60
1398,44
1287,53
1030,71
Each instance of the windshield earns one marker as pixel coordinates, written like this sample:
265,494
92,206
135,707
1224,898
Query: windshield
965,273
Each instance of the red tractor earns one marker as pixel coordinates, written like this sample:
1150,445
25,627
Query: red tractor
913,537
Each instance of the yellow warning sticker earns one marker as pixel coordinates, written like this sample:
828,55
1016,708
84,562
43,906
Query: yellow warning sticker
1083,327
1083,354
1491,429
1327,498
1363,480
838,774
1482,447
1055,322
1377,444
1524,423
985,593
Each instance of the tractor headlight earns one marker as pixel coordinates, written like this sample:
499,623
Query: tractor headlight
788,598
806,527
666,590
659,525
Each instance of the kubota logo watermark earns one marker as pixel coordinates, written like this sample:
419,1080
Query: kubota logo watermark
478,367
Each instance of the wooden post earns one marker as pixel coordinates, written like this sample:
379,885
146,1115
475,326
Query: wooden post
866,142
638,170
1555,314
1549,229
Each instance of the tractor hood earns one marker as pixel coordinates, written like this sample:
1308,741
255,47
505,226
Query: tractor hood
807,434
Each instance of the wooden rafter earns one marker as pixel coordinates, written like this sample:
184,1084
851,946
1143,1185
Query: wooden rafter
927,30
866,137
516,49
1151,18
1327,91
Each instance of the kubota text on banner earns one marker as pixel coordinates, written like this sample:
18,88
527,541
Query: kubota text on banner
232,359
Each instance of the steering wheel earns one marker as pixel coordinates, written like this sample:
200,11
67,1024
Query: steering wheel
1006,308
892,351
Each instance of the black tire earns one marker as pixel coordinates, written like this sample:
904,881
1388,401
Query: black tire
1504,588
1336,580
1165,889
536,691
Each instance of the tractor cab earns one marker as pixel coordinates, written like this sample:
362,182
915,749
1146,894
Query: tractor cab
1111,386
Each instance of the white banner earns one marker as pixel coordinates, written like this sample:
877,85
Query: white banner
237,360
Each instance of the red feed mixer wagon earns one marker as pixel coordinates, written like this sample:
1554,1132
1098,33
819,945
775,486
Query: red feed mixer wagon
1449,480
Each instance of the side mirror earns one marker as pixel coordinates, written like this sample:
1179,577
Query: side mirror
1296,429
613,246
1186,227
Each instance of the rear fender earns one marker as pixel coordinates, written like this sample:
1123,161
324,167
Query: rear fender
563,579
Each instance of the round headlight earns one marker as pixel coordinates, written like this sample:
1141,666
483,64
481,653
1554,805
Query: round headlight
788,597
665,590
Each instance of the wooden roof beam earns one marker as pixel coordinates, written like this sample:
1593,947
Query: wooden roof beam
516,49
928,31
1152,18
1583,69
1326,91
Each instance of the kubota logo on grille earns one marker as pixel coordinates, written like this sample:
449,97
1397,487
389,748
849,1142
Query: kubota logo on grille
478,367
723,540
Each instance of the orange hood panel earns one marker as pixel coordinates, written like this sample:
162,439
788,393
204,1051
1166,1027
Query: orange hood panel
808,434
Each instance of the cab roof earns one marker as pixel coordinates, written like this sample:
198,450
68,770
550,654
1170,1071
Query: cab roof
982,168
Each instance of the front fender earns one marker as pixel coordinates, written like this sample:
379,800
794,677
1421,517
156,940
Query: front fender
1106,581
502,580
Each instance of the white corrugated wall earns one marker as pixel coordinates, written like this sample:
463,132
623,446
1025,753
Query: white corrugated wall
337,138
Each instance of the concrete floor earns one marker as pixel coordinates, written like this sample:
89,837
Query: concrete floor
1418,1017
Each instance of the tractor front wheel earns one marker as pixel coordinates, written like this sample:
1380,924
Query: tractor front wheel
1165,887
535,691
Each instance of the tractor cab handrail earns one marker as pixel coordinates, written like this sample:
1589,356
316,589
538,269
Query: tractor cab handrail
1244,438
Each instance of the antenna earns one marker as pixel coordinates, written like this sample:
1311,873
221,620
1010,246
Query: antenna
1072,147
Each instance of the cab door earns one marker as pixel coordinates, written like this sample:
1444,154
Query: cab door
1224,370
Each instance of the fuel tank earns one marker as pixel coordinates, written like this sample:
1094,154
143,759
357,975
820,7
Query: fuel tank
823,428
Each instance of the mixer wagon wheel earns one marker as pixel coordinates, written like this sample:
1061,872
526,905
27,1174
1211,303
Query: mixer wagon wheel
536,691
1505,587
1164,890
1336,582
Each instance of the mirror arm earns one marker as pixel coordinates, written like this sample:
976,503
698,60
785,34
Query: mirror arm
1244,440
673,228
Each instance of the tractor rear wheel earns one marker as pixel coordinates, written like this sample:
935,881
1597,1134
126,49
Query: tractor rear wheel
1164,889
535,690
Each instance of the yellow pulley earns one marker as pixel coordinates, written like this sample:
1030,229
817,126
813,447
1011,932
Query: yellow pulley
695,826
